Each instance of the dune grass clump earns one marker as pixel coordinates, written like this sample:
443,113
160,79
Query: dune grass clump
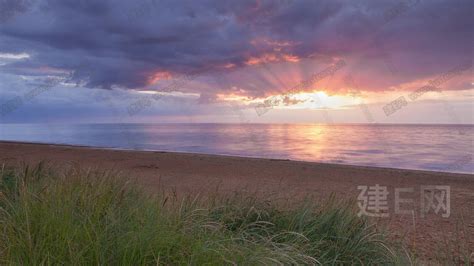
79,216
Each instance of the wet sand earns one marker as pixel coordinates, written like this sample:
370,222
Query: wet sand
191,173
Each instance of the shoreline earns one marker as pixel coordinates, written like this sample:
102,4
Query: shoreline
190,173
235,157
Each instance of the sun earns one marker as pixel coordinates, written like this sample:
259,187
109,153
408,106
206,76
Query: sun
320,100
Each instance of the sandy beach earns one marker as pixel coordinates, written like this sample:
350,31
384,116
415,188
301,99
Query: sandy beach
285,179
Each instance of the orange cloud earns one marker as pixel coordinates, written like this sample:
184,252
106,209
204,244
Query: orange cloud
161,75
266,42
271,57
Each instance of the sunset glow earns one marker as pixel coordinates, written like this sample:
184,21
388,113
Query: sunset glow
236,118
286,57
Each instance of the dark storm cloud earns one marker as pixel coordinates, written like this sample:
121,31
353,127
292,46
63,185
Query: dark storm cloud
10,8
125,43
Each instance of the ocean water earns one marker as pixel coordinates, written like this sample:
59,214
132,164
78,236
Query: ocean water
425,147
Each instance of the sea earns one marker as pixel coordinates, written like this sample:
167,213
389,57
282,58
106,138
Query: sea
447,148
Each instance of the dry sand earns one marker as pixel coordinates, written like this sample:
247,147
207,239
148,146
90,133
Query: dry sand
187,172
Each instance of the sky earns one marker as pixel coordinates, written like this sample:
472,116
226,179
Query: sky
255,61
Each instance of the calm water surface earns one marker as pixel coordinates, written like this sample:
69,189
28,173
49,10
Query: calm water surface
427,147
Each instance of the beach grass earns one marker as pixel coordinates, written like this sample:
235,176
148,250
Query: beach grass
86,216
